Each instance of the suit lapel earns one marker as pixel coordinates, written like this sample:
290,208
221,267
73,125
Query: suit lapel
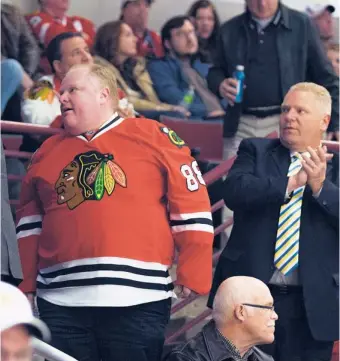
281,158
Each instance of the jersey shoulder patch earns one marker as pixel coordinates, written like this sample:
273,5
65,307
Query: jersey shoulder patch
173,137
35,20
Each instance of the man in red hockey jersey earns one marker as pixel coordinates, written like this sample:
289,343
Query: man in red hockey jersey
52,20
102,210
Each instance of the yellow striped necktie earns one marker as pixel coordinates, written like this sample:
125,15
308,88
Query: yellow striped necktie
286,256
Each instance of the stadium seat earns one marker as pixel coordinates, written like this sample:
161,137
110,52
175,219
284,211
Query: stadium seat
206,136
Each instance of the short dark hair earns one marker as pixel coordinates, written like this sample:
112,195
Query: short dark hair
174,23
53,50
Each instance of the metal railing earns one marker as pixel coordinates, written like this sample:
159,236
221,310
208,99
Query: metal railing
49,352
218,172
17,127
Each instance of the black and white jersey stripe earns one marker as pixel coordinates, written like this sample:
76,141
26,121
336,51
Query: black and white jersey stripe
123,281
29,226
199,221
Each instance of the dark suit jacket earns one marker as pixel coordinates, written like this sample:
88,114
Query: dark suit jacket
255,190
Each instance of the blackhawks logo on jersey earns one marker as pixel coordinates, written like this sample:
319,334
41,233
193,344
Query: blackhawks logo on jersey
173,137
88,177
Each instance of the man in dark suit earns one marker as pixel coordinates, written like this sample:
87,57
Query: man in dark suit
285,197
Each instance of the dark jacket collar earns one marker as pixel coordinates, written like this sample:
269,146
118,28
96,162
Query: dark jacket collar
214,342
285,17
217,349
282,16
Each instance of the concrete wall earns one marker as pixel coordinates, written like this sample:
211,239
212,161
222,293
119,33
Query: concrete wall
101,11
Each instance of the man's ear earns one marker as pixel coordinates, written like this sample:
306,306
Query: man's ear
239,313
104,95
167,44
57,66
325,122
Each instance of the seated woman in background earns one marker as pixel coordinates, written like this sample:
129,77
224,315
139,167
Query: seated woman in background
116,44
333,56
207,23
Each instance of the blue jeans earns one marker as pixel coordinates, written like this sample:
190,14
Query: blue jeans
11,78
134,333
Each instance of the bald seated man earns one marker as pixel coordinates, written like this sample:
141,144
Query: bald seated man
243,317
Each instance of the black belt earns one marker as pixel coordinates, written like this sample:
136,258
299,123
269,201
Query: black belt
284,289
262,113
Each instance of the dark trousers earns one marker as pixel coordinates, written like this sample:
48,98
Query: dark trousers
293,338
11,280
108,333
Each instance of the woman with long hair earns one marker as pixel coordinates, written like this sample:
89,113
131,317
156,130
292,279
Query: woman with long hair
116,44
207,23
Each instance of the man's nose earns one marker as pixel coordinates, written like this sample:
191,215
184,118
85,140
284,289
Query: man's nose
275,316
291,114
63,98
192,36
86,56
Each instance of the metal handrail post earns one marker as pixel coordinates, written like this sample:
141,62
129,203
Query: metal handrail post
49,352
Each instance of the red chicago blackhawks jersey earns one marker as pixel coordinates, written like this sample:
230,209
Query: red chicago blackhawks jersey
101,215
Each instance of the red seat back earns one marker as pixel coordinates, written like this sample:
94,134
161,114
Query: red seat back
207,136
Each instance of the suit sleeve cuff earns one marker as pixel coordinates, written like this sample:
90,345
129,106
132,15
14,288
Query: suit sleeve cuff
317,194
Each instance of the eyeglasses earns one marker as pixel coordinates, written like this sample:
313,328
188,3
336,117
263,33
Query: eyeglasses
271,308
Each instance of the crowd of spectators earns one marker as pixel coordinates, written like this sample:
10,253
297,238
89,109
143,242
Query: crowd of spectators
187,72
193,51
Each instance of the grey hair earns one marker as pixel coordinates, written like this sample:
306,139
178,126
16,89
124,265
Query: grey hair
321,94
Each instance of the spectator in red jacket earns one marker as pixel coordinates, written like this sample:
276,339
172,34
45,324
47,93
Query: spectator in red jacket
135,13
52,20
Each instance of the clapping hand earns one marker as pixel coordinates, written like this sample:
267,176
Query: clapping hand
315,166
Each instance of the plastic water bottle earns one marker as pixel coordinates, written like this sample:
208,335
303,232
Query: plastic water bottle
188,98
239,76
